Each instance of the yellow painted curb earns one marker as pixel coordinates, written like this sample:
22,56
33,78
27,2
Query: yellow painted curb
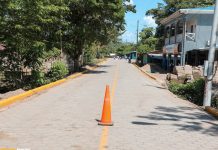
152,77
20,97
212,111
16,98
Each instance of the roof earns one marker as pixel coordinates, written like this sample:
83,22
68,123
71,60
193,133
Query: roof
204,8
2,47
200,10
156,52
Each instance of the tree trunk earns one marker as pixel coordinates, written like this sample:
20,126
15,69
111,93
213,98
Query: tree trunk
77,64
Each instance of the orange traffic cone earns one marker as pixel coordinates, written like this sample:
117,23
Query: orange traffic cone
106,112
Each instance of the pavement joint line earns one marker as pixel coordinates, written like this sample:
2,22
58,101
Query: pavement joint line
20,97
105,130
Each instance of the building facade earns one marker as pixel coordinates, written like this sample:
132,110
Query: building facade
187,36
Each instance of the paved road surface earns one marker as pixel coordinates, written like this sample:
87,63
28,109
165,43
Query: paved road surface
145,115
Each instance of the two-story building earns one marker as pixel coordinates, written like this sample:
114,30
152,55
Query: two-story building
187,36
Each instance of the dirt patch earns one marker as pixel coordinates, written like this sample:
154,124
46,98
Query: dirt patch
4,136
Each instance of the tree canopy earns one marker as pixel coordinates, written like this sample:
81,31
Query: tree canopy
147,40
170,6
35,30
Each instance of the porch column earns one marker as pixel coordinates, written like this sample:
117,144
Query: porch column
175,59
183,55
196,58
164,62
176,30
183,58
168,62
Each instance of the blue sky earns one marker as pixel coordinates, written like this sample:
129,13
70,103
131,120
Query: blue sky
131,18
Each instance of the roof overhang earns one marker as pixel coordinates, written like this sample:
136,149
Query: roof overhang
171,17
184,12
156,52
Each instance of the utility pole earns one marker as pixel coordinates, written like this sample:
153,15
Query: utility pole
137,32
211,57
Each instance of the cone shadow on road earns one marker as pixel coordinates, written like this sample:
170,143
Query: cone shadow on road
183,118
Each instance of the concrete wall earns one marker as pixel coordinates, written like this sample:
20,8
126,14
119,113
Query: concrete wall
202,33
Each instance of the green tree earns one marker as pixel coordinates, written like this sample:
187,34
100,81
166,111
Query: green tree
35,30
125,48
147,40
29,29
146,33
94,21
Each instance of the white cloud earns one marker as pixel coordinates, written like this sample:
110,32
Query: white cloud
130,2
149,21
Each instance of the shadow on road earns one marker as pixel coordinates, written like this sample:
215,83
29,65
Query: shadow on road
184,118
143,123
105,66
95,72
159,87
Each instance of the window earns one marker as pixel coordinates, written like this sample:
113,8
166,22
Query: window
179,27
173,29
167,32
192,28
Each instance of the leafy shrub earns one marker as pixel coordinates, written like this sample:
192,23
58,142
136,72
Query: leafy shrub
193,92
58,71
13,79
38,78
215,102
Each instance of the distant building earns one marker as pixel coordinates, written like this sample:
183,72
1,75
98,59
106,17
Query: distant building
132,55
187,34
112,54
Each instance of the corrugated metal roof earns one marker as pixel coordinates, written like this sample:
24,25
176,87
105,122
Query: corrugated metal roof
200,10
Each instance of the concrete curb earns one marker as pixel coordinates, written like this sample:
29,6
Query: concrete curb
20,97
212,111
149,75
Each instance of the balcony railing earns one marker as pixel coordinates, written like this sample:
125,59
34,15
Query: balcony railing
190,36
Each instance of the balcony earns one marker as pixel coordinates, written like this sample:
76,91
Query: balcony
174,40
190,36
